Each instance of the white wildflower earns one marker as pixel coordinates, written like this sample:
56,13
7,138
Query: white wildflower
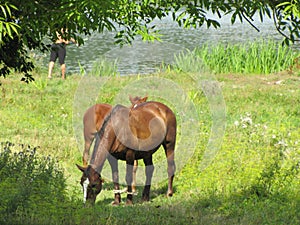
247,120
282,143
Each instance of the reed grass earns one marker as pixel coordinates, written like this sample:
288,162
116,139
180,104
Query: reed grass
260,57
104,67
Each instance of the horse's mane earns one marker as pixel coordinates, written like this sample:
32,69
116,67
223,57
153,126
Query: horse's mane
104,125
100,133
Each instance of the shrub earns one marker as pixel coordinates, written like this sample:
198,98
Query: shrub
29,183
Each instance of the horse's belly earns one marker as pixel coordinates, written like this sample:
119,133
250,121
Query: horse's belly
119,155
138,154
143,154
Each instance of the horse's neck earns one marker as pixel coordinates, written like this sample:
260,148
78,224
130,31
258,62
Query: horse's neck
98,161
100,153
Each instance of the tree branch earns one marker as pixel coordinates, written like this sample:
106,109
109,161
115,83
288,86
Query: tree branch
275,18
242,12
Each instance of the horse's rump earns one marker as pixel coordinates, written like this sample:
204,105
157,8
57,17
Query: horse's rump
94,116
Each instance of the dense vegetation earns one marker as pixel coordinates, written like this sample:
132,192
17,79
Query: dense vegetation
247,58
253,177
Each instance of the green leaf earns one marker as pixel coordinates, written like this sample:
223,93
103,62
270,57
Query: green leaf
283,4
287,8
8,9
3,11
8,30
14,27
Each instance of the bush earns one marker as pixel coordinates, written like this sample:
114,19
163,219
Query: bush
29,184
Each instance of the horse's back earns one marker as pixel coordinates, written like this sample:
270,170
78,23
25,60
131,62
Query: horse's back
157,109
93,119
170,121
95,115
152,109
101,111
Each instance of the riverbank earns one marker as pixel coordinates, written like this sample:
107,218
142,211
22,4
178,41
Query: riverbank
251,178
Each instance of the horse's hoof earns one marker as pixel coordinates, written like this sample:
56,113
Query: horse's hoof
170,194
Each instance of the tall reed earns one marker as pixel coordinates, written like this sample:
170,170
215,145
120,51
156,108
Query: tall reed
260,57
104,67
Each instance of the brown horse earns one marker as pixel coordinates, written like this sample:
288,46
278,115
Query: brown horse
92,122
93,119
131,134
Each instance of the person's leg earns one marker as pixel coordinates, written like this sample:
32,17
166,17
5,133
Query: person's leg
63,71
53,57
50,69
61,56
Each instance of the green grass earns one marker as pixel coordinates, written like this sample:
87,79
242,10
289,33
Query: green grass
103,67
253,178
260,57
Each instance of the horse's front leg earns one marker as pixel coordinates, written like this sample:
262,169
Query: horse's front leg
129,172
149,173
115,177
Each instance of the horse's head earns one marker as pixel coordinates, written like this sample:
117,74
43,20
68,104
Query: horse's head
137,100
91,183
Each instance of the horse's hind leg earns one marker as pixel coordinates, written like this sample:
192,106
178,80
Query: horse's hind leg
115,177
89,131
86,153
149,173
169,150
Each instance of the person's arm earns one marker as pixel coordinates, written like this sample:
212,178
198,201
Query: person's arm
72,40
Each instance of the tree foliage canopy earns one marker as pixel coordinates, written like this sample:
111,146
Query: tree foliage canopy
25,24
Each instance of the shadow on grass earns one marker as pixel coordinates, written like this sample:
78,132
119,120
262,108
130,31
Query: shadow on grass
156,192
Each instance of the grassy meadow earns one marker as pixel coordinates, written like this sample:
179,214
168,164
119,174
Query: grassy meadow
252,177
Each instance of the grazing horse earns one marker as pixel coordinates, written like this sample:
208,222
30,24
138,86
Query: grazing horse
92,122
93,119
130,134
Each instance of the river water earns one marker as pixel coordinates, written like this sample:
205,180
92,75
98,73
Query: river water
142,57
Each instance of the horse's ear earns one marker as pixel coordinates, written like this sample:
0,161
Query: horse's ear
131,99
144,99
81,168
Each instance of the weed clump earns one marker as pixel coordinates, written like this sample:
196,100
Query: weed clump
31,186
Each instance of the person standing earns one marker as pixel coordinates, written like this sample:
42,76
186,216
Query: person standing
58,50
